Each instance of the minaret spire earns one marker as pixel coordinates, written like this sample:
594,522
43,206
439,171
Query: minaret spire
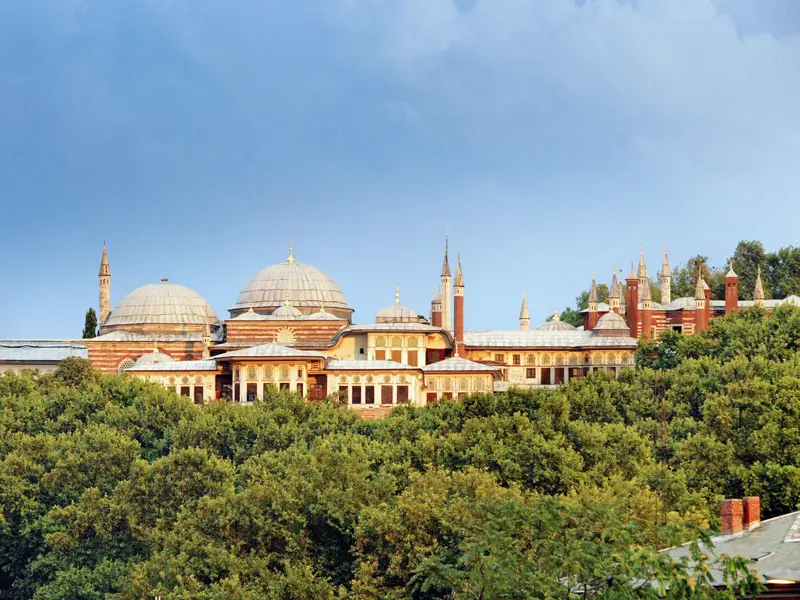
614,301
524,316
104,276
641,272
397,293
666,279
758,295
458,306
447,290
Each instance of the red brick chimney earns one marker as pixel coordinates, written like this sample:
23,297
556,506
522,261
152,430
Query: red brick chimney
731,513
752,513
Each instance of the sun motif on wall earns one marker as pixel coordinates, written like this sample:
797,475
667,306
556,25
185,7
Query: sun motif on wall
285,336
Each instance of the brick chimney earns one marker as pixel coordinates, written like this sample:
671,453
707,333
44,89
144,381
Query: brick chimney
731,513
752,513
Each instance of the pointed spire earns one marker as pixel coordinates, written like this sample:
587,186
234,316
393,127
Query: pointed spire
644,293
105,269
758,295
665,268
632,274
433,298
641,273
700,289
290,260
396,293
446,263
523,312
613,293
593,291
731,272
459,280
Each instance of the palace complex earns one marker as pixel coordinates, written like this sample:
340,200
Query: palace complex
292,327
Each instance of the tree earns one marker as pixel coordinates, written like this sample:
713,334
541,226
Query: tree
748,257
90,324
73,371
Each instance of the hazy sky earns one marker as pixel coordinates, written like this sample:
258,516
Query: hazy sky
552,137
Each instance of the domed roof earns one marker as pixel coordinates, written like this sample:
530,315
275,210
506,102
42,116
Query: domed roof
611,320
163,302
153,358
306,285
286,312
397,313
556,326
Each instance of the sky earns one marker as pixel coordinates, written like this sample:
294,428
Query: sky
549,138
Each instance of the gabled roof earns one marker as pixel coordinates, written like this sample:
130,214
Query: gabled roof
269,351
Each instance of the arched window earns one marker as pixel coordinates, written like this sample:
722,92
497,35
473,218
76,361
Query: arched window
285,373
612,359
125,365
413,342
479,385
448,384
573,360
267,372
462,385
546,360
380,341
530,360
397,342
251,373
559,360
285,336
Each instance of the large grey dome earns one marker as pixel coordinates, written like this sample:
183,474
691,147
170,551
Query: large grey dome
307,286
161,303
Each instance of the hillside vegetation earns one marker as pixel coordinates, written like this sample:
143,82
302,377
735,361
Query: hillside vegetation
111,487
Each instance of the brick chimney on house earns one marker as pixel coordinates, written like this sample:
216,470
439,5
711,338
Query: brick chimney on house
740,515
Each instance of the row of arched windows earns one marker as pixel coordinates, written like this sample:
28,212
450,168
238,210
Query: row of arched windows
395,341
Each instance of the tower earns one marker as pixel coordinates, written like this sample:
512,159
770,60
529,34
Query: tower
731,290
591,316
206,336
632,302
524,316
647,310
436,308
758,294
447,292
641,272
666,280
614,293
105,287
458,305
700,321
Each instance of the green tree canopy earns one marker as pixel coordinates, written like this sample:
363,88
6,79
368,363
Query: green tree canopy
90,324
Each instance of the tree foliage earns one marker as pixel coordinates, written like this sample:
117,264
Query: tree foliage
90,324
112,487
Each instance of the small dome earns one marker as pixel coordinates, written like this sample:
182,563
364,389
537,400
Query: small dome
322,315
286,312
556,326
250,315
611,320
397,313
161,303
153,358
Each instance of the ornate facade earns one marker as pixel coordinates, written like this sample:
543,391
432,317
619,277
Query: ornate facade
292,328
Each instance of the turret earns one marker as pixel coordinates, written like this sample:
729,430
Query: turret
591,315
632,302
647,309
731,290
700,314
436,308
666,280
641,272
458,301
758,294
614,300
206,336
524,316
105,287
447,292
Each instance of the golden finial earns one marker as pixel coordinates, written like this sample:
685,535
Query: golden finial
155,347
555,315
291,254
250,309
397,293
322,306
286,301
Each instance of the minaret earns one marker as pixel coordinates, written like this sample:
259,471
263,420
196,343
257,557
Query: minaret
105,287
647,310
632,302
524,316
641,272
666,280
207,336
458,305
731,291
447,293
758,295
591,316
614,293
700,323
436,309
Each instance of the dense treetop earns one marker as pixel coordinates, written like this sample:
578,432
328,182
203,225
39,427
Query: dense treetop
111,487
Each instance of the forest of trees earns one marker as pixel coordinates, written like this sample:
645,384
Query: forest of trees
780,273
111,487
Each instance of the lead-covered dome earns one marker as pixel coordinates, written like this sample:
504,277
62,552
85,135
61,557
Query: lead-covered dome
161,304
308,287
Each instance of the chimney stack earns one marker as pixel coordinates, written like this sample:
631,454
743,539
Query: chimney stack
731,513
752,513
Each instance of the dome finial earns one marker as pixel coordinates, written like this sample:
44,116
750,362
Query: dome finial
291,253
555,314
322,306
286,301
397,293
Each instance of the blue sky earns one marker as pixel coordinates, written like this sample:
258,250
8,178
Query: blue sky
551,137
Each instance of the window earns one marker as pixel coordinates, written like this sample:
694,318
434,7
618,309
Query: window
402,394
251,392
345,390
369,394
500,358
251,373
432,385
285,336
198,394
380,354
412,357
546,360
386,394
531,360
479,385
462,385
397,355
284,386
412,342
397,342
285,373
265,390
300,389
125,364
186,391
299,373
530,373
236,392
267,372
448,384
356,398
380,341
516,359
